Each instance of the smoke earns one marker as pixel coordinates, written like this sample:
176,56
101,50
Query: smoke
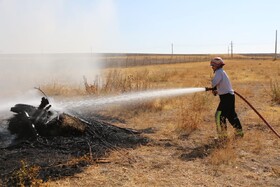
45,42
33,26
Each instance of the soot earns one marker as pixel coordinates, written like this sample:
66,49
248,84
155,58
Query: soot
49,140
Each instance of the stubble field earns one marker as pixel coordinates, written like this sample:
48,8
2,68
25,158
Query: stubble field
183,151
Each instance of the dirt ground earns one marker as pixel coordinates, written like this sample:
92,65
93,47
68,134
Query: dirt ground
195,159
174,157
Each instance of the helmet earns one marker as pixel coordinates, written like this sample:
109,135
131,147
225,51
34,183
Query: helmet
217,62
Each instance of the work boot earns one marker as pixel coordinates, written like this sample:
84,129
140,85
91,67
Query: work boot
222,131
222,136
221,140
239,133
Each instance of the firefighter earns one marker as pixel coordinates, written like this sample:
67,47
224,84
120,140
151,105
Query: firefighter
226,107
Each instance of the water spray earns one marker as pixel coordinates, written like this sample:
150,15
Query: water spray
130,97
245,100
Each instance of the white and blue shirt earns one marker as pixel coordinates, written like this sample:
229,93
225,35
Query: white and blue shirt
222,82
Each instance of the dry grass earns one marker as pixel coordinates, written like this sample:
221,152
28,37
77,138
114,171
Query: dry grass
188,121
118,81
275,91
27,175
189,115
253,160
56,89
225,154
256,138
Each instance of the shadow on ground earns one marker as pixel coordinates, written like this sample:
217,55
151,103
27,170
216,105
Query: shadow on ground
199,152
189,153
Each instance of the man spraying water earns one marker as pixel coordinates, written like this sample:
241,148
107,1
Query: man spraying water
226,109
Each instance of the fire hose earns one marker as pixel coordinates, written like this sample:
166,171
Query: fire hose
271,128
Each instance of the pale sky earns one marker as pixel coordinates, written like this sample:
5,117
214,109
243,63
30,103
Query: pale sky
138,26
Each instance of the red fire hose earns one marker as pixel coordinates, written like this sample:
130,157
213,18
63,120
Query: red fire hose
273,130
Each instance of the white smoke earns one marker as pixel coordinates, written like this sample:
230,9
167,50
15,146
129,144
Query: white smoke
37,26
47,34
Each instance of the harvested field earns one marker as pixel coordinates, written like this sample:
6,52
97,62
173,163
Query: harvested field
181,149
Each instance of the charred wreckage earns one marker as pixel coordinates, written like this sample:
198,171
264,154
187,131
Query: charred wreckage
49,139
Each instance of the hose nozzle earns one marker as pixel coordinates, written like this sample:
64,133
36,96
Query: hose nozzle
209,89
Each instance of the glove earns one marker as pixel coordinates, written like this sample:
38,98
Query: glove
214,92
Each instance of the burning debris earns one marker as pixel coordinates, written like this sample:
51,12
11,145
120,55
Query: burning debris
31,122
49,139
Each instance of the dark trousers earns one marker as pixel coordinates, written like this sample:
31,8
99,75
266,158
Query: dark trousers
226,110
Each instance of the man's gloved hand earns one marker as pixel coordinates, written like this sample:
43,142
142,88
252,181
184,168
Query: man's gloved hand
214,92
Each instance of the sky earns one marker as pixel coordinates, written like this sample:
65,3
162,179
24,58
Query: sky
138,26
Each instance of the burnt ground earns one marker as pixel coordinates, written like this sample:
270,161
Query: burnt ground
45,158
